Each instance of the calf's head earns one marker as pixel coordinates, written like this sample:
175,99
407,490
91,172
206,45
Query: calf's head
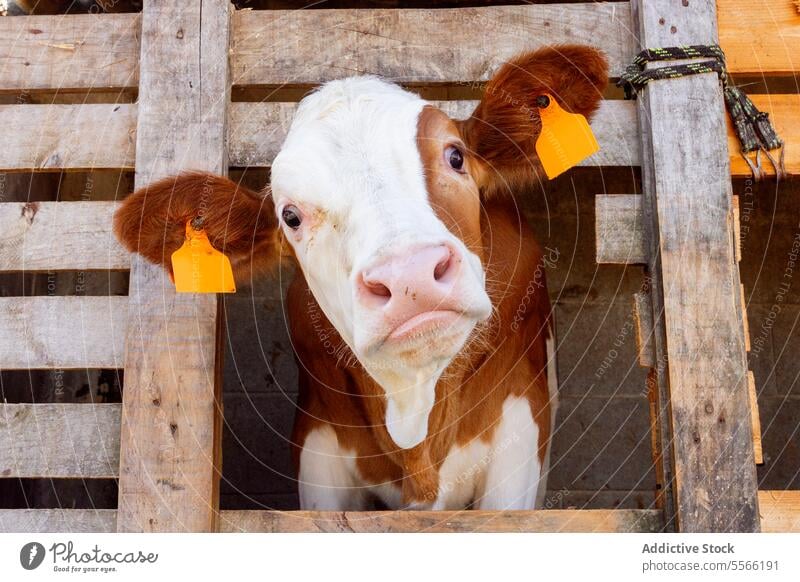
380,197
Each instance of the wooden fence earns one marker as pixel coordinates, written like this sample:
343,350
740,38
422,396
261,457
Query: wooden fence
184,59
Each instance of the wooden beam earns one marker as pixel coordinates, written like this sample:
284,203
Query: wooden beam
69,52
783,112
45,135
561,520
58,520
40,236
755,418
464,45
688,207
780,512
59,440
619,230
75,137
62,332
169,465
759,37
643,319
257,131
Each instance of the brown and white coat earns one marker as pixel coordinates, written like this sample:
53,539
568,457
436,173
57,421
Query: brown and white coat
416,265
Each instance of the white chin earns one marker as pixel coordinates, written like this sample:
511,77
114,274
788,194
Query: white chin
406,432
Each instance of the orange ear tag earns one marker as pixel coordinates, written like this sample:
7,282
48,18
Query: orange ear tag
200,268
566,139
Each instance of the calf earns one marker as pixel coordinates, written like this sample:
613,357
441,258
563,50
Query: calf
419,314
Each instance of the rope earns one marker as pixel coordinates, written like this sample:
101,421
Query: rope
753,128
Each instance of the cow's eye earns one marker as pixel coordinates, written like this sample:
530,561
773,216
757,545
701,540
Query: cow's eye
292,217
455,158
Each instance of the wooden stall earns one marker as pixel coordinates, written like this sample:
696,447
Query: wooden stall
185,59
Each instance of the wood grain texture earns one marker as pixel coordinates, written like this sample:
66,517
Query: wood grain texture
688,206
59,440
760,36
257,131
169,465
780,512
58,520
643,319
461,45
563,520
47,137
75,137
63,236
69,52
619,230
62,332
784,112
755,418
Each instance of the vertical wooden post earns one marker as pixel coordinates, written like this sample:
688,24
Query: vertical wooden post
697,312
170,462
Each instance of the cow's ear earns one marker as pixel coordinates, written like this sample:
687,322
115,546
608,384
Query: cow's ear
238,222
502,131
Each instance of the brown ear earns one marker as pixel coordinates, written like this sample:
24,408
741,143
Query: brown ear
502,131
238,222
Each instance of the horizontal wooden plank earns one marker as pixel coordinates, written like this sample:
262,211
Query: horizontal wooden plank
257,130
571,520
43,137
69,52
63,236
62,332
760,37
461,45
563,520
49,137
780,512
619,230
59,440
784,111
58,520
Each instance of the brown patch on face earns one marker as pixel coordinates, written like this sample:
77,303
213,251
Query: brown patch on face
454,196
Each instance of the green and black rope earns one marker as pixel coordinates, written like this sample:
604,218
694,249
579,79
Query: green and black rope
753,128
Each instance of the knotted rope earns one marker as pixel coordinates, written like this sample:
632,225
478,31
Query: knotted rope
753,127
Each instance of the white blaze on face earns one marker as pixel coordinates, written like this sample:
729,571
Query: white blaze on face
351,168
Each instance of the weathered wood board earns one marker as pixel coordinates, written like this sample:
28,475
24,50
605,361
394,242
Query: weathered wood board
49,137
560,520
461,45
760,37
62,332
69,52
41,236
169,465
101,52
565,520
688,209
59,440
619,230
780,512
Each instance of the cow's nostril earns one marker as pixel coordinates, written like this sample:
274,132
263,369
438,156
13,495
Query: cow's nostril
442,268
377,288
